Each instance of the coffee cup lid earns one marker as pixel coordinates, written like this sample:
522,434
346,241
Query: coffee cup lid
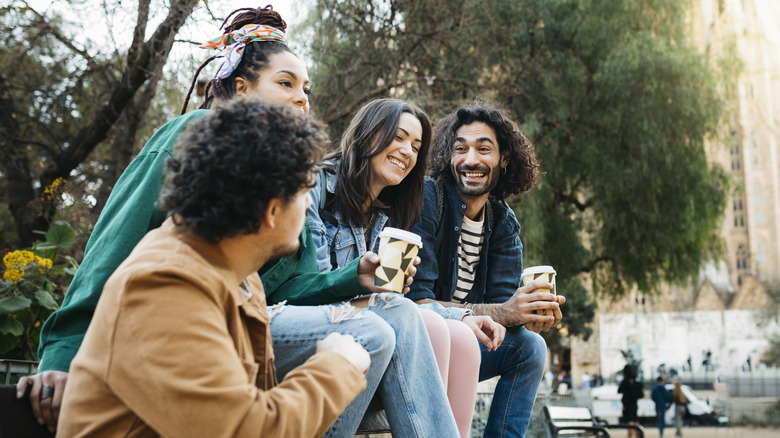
537,270
400,234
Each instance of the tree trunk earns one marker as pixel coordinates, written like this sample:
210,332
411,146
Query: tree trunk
143,62
19,193
124,140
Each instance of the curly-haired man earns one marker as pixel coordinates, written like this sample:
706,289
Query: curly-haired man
472,255
180,342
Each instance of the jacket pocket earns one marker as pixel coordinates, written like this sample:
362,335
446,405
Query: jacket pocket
345,248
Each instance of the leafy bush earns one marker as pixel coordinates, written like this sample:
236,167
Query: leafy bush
31,290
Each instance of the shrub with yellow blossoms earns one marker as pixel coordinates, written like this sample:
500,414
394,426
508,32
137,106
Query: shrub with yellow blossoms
29,292
19,262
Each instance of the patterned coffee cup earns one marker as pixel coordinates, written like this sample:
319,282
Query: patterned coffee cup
544,273
397,250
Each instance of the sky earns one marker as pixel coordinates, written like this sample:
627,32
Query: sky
118,17
110,25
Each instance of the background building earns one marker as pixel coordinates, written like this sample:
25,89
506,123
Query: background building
718,314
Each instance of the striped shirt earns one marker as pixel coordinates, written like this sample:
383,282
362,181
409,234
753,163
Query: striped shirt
470,244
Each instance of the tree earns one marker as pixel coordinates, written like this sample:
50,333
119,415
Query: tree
617,100
769,316
59,106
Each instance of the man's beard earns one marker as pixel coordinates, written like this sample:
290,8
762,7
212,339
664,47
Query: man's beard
472,190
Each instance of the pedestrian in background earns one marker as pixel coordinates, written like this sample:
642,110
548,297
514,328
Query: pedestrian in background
631,389
680,407
662,399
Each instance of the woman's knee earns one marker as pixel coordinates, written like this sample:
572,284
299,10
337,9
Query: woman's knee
463,340
395,306
373,332
368,328
435,325
439,335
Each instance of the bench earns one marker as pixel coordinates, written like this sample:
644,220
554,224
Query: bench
16,416
374,421
579,422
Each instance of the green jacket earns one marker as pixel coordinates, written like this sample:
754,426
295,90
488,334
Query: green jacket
131,211
295,279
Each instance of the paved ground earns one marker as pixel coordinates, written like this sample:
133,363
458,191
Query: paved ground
693,432
707,432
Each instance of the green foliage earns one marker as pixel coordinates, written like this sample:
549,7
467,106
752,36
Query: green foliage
29,292
615,96
769,316
74,101
773,351
53,92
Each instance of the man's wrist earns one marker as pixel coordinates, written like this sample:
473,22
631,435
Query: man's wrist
490,310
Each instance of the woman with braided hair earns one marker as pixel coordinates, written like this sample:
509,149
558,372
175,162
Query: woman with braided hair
246,63
269,69
257,61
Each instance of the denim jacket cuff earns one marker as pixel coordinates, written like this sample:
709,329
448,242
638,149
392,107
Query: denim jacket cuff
457,313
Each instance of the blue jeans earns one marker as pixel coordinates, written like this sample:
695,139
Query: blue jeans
520,361
659,417
403,369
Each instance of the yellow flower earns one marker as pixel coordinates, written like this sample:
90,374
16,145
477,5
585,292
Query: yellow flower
13,275
52,189
43,264
37,324
18,259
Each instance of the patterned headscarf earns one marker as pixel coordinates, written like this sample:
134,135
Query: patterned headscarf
232,44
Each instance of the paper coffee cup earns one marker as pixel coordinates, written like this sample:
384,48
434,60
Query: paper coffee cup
397,250
544,273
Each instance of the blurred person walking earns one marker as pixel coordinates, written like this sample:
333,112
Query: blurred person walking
662,398
680,407
631,389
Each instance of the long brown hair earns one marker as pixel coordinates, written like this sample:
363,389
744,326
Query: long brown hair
677,394
371,130
254,60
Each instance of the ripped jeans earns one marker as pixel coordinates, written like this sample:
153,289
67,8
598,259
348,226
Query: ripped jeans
403,369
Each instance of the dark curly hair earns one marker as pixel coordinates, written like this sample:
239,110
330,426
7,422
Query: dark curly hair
371,130
254,60
229,164
522,171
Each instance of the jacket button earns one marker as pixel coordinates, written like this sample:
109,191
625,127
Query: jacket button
463,206
456,228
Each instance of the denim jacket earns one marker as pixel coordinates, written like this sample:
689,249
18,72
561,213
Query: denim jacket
340,243
500,260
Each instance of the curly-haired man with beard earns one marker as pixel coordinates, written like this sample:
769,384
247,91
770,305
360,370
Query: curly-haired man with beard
472,256
180,343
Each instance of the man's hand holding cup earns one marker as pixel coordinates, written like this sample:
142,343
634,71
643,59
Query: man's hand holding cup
536,303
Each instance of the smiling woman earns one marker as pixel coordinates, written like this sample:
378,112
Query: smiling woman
394,162
380,165
376,178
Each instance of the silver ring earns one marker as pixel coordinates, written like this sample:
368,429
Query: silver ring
47,392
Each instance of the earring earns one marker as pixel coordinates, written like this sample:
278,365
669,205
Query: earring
503,170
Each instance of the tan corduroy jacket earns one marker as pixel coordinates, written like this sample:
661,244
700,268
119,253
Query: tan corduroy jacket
176,350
